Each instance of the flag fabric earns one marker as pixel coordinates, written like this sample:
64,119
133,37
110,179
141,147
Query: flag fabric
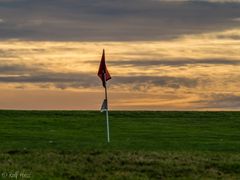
102,71
104,105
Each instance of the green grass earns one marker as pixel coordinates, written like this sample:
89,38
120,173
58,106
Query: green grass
144,145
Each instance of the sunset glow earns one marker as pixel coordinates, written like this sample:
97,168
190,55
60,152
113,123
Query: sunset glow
192,70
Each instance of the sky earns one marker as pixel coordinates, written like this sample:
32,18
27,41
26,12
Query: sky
161,54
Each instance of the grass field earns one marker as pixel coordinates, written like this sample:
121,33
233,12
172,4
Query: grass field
144,145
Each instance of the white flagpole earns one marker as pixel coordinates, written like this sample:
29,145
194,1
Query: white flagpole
107,120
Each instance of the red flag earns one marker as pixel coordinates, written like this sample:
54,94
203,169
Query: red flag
102,71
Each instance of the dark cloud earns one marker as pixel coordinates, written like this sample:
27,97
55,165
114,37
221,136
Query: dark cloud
232,37
22,74
19,73
109,20
180,62
139,82
15,69
61,80
219,100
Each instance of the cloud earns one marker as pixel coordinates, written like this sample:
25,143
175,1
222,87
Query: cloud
7,1
213,1
15,69
179,62
145,82
21,74
236,19
187,67
224,1
109,20
219,101
59,80
233,37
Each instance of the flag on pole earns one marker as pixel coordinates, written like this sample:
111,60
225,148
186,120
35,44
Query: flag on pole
102,71
104,76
